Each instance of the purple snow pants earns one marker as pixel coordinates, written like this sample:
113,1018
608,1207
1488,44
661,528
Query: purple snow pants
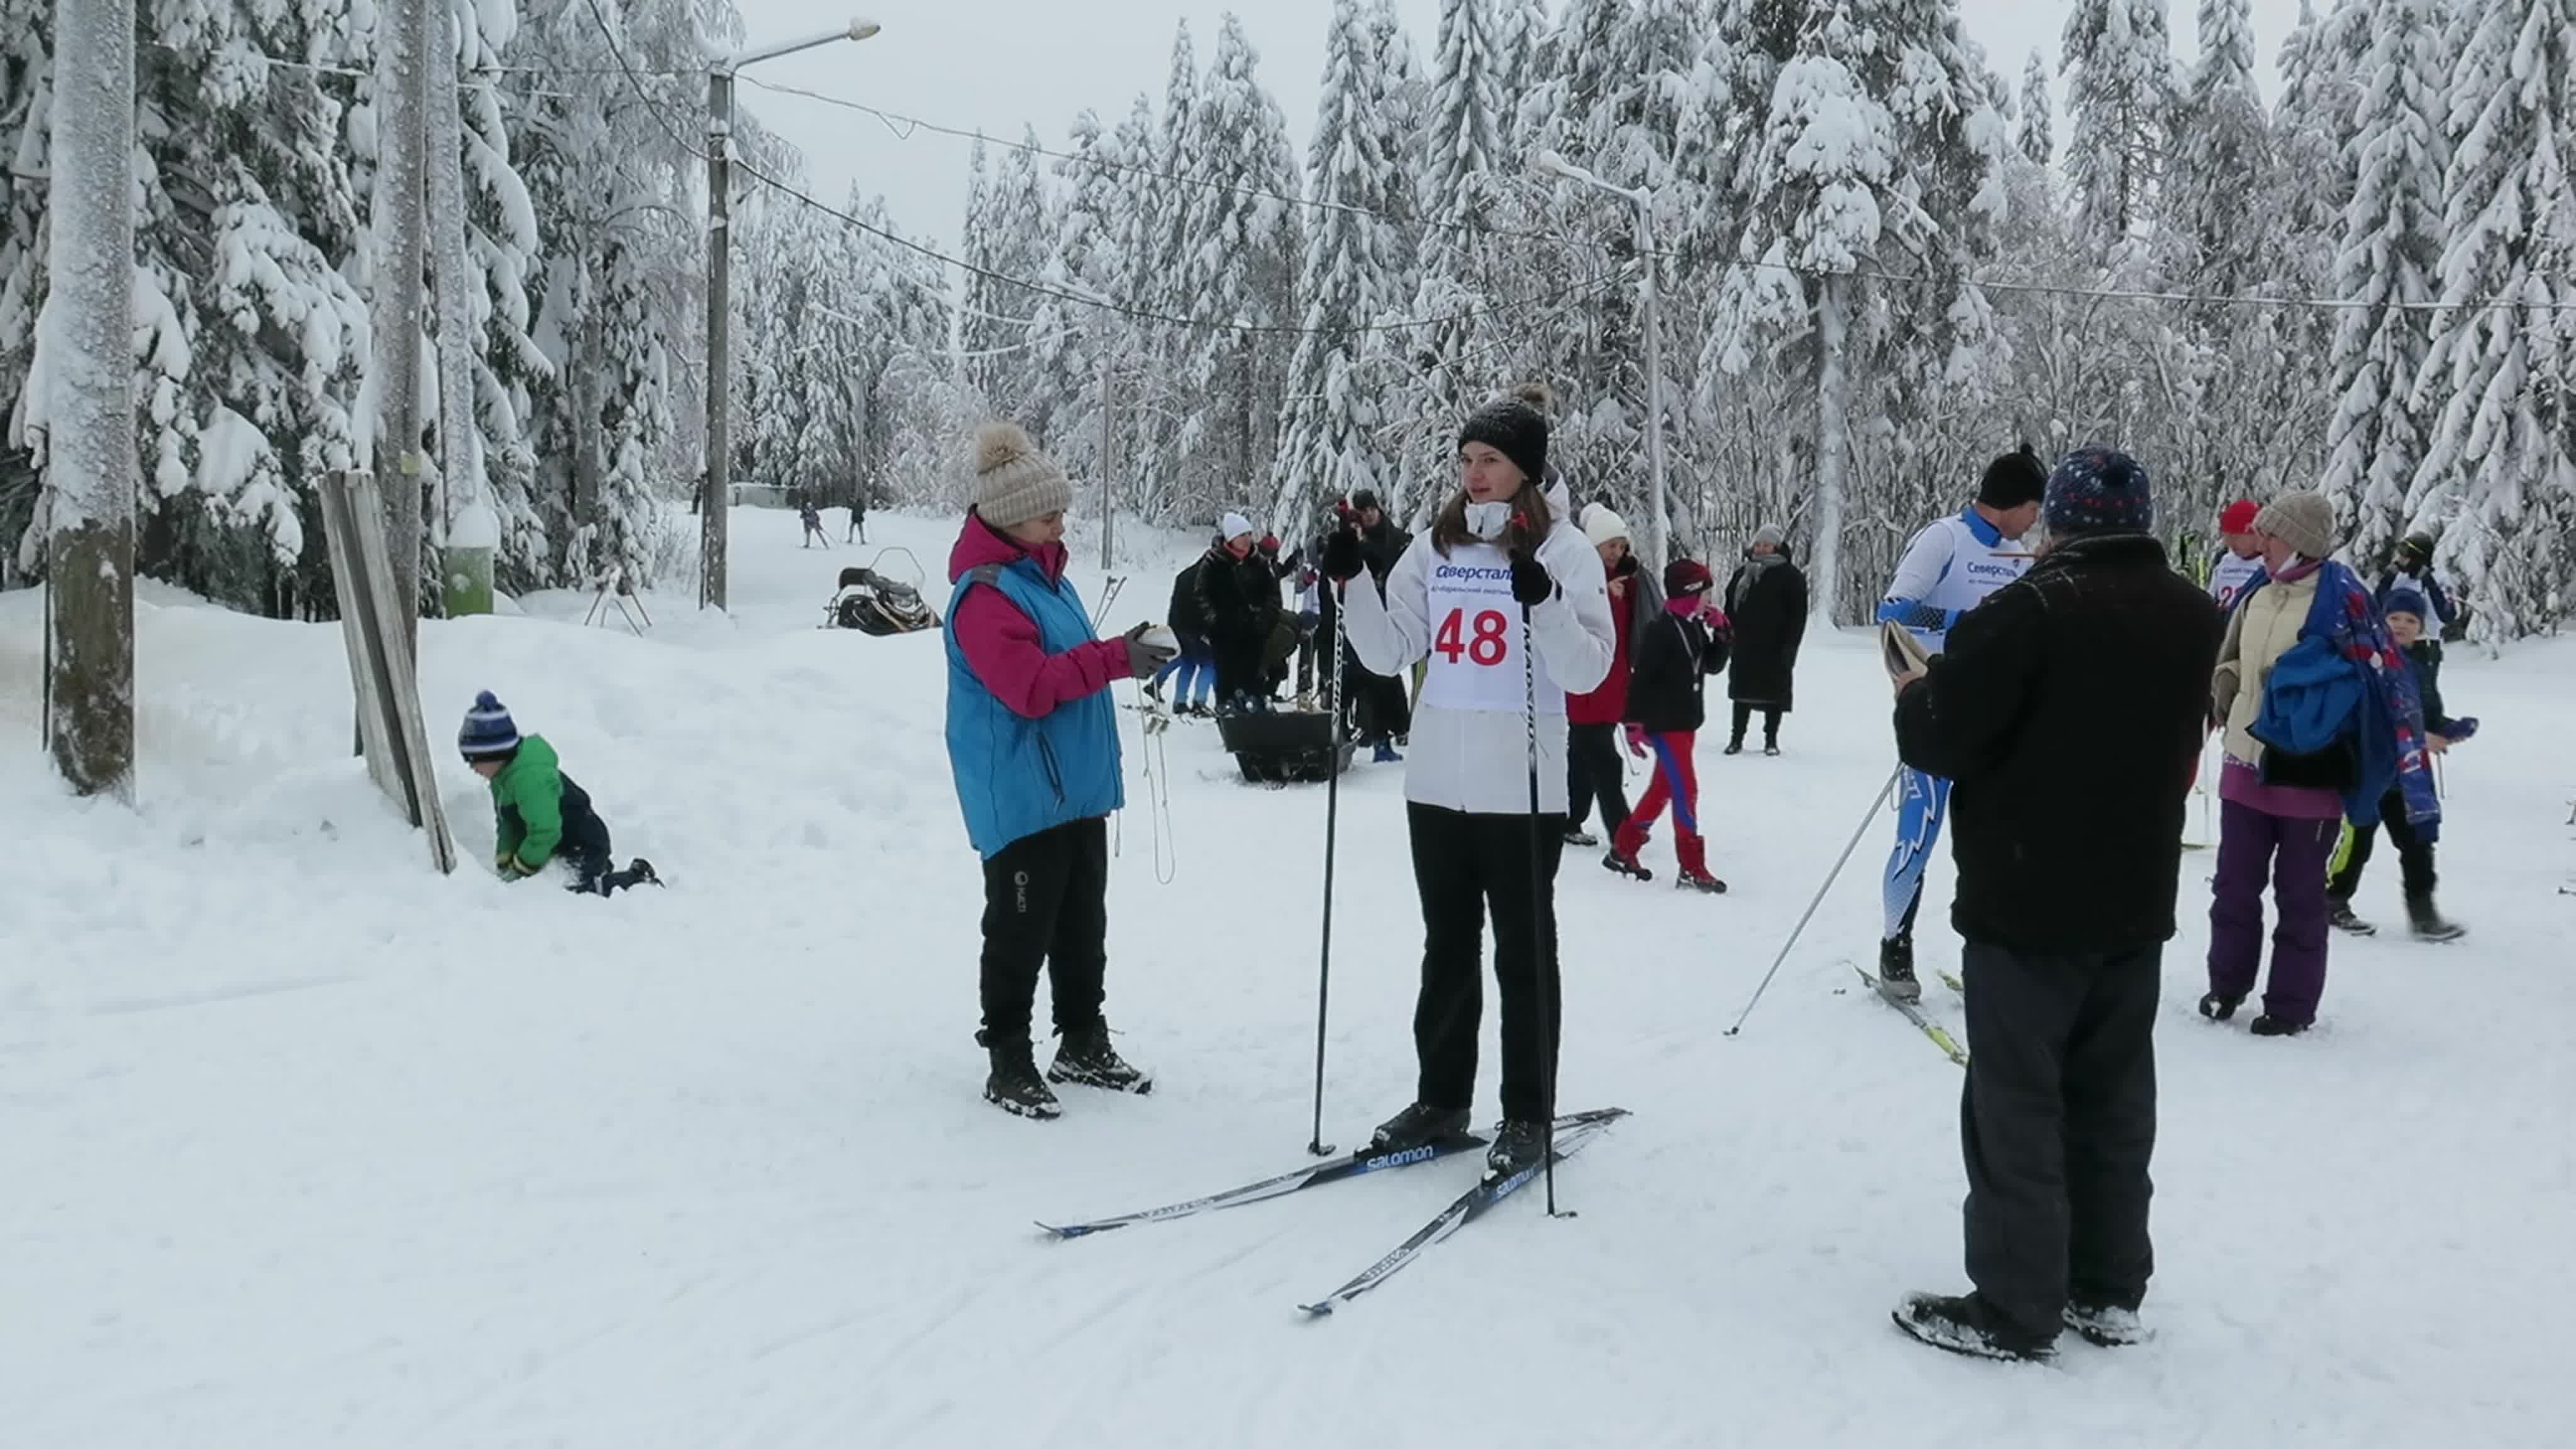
2293,854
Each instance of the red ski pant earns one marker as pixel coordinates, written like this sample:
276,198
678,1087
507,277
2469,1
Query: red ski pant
1676,782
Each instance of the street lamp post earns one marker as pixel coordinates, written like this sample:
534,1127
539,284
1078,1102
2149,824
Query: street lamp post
1548,163
716,497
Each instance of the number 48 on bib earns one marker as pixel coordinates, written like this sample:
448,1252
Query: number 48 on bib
1484,641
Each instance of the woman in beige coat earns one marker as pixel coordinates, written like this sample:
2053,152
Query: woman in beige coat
2281,812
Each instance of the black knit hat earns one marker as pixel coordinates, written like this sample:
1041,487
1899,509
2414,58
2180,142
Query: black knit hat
1514,429
1363,501
2016,478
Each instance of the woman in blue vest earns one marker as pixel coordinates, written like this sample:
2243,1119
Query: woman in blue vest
1033,740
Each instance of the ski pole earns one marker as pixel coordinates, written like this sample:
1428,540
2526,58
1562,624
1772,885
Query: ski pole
1542,957
1800,929
1332,830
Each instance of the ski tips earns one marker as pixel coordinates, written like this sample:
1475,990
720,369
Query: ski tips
1078,1230
1315,1310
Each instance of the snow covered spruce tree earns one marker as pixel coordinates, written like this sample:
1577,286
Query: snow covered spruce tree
1075,340
1009,237
1328,433
82,387
1873,156
1445,365
2501,465
2035,130
2120,91
2392,234
1238,280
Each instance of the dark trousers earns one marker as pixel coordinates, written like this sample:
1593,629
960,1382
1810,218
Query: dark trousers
1466,866
2057,1122
1380,708
1239,671
1770,722
1046,902
2414,854
1594,771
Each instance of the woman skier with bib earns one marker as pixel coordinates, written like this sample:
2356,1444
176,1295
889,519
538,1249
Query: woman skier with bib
1504,599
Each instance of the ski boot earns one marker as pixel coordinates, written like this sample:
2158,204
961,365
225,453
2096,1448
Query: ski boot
2269,1025
1418,1126
2427,923
1015,1085
1087,1059
1627,865
2220,1008
2339,915
1699,880
1517,1147
1965,1325
1576,835
639,871
2105,1326
1896,970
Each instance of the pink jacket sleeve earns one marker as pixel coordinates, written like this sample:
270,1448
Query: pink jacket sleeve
1002,648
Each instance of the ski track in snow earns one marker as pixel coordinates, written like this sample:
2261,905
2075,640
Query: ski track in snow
708,1166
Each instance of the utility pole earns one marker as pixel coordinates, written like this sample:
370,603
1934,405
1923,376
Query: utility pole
402,164
1108,433
712,540
468,531
714,498
1548,163
88,504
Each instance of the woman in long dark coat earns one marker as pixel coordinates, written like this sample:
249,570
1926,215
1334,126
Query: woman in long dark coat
1767,602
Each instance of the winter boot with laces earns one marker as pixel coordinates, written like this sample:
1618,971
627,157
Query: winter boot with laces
1015,1085
1576,835
1965,1325
2104,1325
1417,1126
1896,970
1699,880
1517,1147
2339,915
1086,1059
2427,923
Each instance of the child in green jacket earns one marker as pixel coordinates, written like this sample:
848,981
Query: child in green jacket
543,815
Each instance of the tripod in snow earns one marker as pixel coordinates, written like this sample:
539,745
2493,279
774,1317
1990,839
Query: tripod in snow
615,587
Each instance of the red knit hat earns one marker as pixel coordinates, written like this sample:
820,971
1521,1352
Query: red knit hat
2238,517
1685,578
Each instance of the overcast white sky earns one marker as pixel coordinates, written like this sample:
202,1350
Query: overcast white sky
994,64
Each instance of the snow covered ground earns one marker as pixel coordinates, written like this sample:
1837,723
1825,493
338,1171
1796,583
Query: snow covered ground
307,1146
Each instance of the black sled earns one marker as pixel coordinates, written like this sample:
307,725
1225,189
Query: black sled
1284,747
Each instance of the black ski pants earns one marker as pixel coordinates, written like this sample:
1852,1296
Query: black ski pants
1466,866
1770,722
2414,856
1595,770
2057,1122
1046,903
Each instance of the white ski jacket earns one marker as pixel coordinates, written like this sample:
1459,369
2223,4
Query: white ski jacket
1470,748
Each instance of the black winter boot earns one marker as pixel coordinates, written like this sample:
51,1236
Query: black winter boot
1417,1125
1087,1059
1965,1325
2104,1325
2270,1025
2427,923
1015,1085
2220,1008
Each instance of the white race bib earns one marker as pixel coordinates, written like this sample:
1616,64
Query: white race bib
1476,638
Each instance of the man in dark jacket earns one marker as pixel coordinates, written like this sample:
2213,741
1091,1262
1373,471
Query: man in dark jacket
2069,710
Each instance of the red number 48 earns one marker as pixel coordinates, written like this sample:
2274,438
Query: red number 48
1488,644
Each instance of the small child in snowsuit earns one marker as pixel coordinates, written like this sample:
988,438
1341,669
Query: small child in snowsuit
1665,711
2406,612
543,816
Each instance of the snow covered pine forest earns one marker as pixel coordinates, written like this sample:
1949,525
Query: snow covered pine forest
309,1146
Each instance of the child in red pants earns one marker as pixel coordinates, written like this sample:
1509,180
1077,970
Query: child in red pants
1665,710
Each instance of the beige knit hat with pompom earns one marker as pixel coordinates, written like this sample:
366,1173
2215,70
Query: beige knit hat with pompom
1014,482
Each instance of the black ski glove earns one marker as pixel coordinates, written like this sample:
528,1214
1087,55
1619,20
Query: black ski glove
1531,585
1143,658
1342,562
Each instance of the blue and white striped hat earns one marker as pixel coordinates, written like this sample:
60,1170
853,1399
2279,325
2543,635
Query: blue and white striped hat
488,731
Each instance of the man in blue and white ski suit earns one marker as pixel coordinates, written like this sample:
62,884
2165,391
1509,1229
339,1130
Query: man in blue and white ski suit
1949,569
